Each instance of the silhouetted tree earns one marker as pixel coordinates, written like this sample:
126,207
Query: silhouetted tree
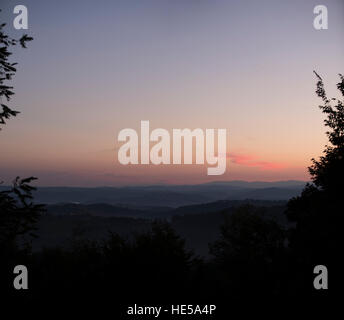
317,237
153,260
249,252
17,212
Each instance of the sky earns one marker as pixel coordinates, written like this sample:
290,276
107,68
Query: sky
97,67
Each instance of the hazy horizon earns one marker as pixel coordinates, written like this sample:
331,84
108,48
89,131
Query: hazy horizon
168,184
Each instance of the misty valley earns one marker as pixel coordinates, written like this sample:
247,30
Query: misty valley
196,213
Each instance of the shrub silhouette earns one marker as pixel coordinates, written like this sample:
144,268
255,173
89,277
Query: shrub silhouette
18,215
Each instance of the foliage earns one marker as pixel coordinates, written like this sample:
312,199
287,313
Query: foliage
250,251
7,71
328,172
18,213
318,211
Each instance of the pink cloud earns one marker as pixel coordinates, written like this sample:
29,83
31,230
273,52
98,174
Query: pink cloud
252,161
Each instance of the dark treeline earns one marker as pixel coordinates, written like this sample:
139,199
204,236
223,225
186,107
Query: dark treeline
252,259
